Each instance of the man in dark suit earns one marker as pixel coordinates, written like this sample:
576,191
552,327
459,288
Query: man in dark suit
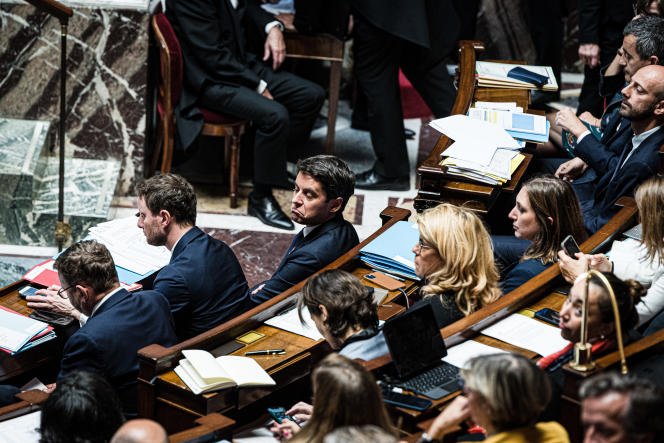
221,75
119,323
632,155
203,282
415,36
323,185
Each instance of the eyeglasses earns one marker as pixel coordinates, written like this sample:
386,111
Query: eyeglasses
62,291
421,245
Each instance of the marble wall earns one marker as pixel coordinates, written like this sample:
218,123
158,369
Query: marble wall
107,76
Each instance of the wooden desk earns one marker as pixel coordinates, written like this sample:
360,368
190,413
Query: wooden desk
433,184
164,397
41,360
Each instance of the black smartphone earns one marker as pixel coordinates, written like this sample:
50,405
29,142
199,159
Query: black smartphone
548,315
279,415
26,291
405,401
570,246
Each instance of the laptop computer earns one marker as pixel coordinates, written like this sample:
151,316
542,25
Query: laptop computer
417,348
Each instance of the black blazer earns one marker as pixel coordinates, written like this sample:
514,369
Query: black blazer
321,247
212,37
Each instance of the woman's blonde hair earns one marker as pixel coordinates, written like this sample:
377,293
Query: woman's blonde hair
650,201
551,197
467,265
345,394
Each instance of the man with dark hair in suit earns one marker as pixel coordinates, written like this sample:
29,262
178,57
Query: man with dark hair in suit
221,75
203,282
323,185
119,323
416,36
630,155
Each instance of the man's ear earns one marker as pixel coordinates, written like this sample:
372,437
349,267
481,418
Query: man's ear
166,218
323,313
335,205
653,59
659,109
550,220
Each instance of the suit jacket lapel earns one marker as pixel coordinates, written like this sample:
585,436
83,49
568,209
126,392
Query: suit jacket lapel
233,16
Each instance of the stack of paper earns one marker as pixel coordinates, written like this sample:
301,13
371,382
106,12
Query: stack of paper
527,127
133,256
18,332
482,151
494,75
391,251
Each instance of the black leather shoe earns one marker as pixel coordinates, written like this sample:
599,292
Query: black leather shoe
372,180
267,210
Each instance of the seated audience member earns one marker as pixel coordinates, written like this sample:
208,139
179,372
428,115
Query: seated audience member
642,45
504,394
359,434
223,75
642,260
140,430
546,211
82,408
455,260
624,161
600,323
119,322
345,394
203,282
323,185
345,314
621,409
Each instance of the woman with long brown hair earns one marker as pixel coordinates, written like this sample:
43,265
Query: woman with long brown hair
546,211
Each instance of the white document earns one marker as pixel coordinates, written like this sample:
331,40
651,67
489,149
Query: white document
128,246
527,333
475,140
290,321
22,429
16,330
460,354
504,106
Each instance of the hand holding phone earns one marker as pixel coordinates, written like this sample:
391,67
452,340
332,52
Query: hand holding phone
279,415
570,246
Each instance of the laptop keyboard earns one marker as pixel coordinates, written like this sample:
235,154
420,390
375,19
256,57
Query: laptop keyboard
432,378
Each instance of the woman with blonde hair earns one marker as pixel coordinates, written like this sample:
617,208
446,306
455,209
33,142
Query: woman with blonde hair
546,211
642,260
455,259
345,394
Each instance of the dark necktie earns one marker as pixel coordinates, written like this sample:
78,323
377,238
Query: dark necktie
297,240
624,155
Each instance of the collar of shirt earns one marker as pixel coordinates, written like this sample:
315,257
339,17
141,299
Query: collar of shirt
638,139
103,300
307,230
234,3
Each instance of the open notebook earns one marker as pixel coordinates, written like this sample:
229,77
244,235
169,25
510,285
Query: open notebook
202,372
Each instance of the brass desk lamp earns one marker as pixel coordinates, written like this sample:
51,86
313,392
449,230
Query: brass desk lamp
583,360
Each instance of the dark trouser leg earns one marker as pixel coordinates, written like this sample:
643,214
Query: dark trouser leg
589,99
432,82
377,67
270,119
303,100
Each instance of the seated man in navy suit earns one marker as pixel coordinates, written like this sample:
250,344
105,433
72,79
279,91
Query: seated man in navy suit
323,185
119,322
203,282
628,158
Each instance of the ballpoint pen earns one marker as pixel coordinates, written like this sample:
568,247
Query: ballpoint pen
267,352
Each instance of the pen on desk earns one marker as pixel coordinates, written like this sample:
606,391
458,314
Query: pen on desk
267,352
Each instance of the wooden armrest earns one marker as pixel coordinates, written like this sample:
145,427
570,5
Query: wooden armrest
218,425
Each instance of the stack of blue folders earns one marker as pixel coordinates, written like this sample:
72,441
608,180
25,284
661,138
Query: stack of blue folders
391,251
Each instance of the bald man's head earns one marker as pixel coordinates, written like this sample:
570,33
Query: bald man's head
140,431
643,97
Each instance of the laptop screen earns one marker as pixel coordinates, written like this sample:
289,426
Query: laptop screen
414,341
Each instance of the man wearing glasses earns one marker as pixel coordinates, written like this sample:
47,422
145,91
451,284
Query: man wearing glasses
118,324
